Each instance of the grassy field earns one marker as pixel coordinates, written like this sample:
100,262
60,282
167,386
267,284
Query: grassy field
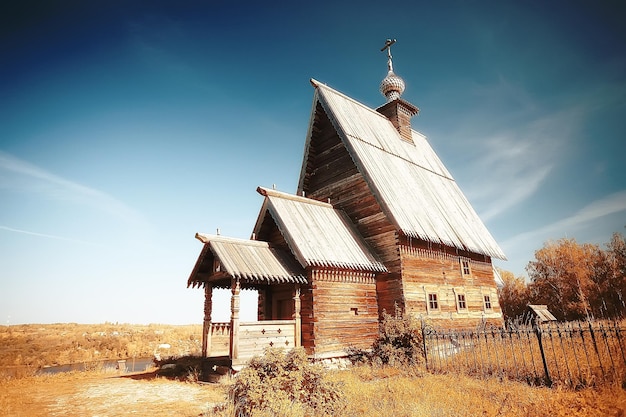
370,393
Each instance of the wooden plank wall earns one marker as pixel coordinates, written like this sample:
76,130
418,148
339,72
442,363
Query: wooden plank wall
255,337
438,270
269,232
339,311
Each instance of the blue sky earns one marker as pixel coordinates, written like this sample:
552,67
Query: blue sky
126,127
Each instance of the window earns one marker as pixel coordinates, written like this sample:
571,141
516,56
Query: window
461,304
433,304
487,302
465,267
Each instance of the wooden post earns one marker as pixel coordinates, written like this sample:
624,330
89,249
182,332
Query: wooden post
206,324
234,320
297,317
261,309
546,370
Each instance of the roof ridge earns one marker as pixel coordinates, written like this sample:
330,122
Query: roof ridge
206,238
293,197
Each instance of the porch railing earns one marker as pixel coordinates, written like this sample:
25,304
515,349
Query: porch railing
219,339
254,337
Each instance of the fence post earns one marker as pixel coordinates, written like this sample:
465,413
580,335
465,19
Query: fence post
595,347
424,344
619,340
543,355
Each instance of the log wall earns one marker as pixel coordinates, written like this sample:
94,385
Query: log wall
440,271
339,310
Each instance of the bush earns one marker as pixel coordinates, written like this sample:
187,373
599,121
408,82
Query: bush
399,343
280,383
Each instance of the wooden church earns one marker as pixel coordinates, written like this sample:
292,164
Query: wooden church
377,224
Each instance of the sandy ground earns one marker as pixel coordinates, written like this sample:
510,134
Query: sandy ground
106,396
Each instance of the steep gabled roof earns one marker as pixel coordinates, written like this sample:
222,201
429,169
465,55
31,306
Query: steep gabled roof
250,260
411,184
317,234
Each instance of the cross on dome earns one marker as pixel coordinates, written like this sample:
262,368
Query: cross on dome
391,86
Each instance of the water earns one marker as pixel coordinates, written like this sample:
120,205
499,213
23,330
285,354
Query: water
132,365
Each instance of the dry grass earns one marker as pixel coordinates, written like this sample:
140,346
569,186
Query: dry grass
371,392
101,394
375,392
381,392
574,358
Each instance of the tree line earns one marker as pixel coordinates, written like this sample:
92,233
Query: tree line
576,281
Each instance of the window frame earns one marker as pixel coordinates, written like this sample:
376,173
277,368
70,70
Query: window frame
466,269
487,303
461,302
432,298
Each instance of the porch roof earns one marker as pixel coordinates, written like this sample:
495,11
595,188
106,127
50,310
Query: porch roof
249,260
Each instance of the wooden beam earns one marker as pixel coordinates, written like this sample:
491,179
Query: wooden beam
296,316
234,319
206,324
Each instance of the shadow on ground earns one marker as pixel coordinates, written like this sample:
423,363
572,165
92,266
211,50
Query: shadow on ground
187,368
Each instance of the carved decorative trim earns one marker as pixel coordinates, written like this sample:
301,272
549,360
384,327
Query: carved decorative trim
357,277
437,255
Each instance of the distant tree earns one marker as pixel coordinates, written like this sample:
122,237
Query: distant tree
513,295
609,279
560,277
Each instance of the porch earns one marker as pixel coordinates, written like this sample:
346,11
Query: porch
236,265
240,341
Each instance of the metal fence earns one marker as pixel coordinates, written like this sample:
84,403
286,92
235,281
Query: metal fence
574,354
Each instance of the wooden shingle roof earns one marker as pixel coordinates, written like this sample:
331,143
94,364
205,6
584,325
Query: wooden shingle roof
417,193
541,312
249,260
317,234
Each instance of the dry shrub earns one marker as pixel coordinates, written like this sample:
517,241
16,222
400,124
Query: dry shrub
280,383
400,344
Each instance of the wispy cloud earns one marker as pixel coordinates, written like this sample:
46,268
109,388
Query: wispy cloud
23,176
606,206
513,144
511,165
48,236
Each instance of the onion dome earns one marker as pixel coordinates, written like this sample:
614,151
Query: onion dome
392,86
